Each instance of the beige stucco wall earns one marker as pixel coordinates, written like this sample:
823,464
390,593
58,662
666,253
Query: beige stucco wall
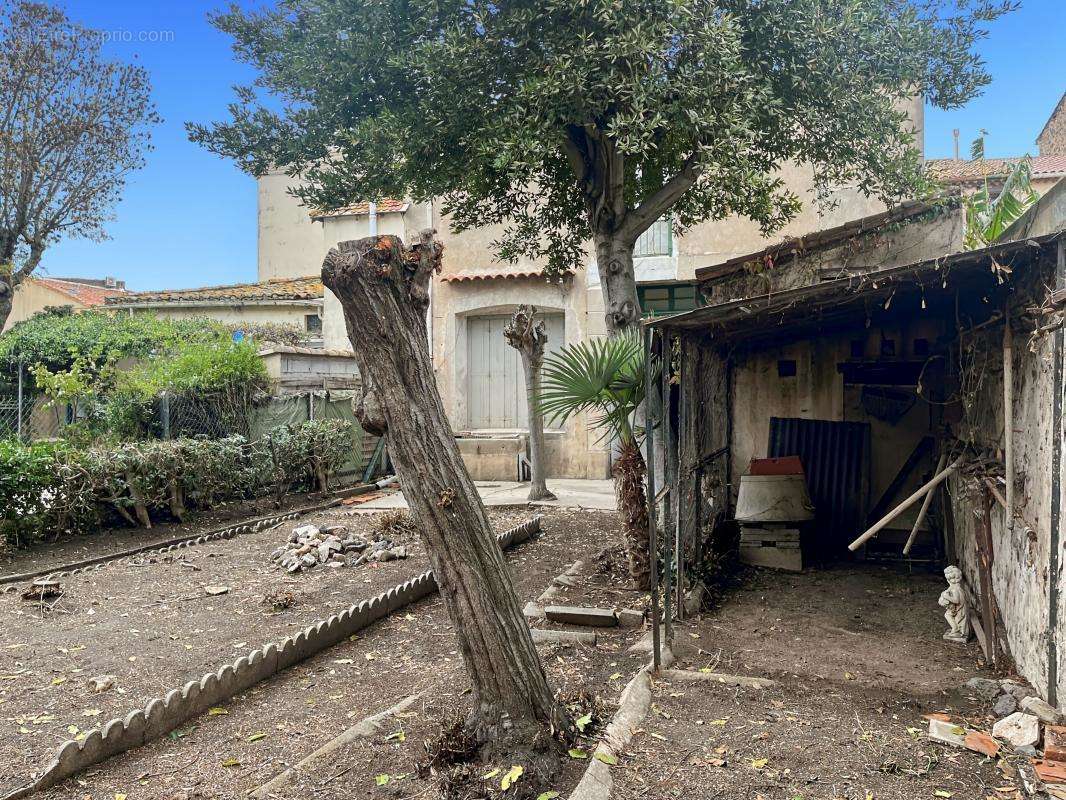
32,297
573,451
279,314
290,244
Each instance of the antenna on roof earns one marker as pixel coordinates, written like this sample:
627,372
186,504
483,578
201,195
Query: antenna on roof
955,136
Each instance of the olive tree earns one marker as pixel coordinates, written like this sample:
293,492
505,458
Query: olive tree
73,125
562,121
569,121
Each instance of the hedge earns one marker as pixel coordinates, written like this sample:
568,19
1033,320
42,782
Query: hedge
50,489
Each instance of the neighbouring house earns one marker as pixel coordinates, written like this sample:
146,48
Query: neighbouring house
879,362
1052,139
967,175
295,301
35,294
479,376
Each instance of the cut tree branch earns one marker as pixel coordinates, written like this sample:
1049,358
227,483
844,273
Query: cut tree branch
661,200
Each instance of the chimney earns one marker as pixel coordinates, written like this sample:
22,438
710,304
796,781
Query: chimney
955,136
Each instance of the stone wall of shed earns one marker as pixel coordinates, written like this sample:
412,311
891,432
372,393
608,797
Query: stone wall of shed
934,234
1021,556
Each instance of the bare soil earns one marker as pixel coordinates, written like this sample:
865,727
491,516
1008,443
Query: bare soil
858,659
150,622
277,723
69,549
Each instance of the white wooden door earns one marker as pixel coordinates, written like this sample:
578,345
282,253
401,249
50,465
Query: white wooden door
496,387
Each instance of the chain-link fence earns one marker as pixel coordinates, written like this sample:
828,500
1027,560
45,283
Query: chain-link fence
27,416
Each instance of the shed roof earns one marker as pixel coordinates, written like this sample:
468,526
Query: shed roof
826,237
839,303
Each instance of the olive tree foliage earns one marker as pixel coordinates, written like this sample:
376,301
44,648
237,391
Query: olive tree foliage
565,121
73,125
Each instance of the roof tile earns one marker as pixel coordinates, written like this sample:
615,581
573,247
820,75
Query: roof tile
307,288
948,170
386,205
85,293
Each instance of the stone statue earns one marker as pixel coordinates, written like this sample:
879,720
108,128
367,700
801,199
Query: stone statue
953,601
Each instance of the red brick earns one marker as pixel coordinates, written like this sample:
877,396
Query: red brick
1054,743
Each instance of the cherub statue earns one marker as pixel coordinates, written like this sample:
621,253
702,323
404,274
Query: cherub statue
953,601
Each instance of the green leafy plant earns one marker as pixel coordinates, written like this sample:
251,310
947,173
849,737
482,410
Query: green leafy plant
55,488
605,379
306,454
57,338
988,216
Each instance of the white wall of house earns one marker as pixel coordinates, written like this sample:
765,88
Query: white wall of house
286,313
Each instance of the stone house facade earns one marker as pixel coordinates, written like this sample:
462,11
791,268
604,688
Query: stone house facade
1052,139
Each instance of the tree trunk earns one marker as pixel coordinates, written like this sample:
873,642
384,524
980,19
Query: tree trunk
7,296
383,288
633,505
614,260
528,337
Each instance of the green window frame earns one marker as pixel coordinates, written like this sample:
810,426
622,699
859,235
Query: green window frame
661,299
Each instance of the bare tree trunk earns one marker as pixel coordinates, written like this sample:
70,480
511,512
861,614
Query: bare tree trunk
614,260
383,288
528,337
633,504
7,296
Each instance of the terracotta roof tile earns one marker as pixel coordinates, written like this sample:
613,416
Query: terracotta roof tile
85,293
948,170
486,275
308,288
385,206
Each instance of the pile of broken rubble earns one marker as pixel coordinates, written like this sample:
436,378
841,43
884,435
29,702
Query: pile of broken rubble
333,546
1024,721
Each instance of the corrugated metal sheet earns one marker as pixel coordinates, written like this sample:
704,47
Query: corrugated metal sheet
836,460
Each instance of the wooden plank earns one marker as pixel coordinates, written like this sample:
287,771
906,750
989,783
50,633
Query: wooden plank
924,447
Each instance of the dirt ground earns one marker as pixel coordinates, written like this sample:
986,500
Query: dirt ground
858,659
66,550
856,654
139,611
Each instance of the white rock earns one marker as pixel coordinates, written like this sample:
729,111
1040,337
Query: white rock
305,531
1042,710
101,683
1019,729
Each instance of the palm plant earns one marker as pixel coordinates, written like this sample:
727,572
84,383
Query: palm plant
987,217
605,379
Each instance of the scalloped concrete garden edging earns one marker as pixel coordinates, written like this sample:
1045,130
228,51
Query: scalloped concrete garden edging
633,706
163,714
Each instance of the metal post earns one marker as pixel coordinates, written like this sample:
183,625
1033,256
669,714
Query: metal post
653,545
164,413
19,417
668,487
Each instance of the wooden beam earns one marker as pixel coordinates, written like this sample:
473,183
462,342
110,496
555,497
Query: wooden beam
924,446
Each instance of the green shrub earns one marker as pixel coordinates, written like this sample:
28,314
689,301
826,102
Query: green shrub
57,338
306,455
27,478
54,488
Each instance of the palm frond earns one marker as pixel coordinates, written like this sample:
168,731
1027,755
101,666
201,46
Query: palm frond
600,377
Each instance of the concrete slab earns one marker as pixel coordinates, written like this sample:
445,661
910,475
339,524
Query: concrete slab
570,493
579,615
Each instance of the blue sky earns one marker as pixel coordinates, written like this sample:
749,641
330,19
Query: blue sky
189,218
